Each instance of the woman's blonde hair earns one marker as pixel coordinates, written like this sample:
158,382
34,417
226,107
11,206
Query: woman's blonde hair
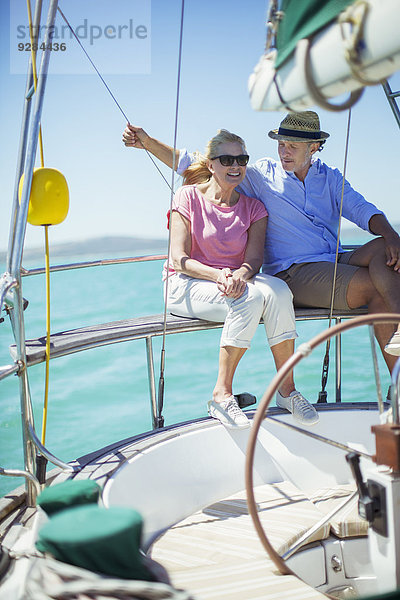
198,171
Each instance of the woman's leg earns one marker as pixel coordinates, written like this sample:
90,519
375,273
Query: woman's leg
280,326
279,322
241,316
189,297
278,313
229,358
266,296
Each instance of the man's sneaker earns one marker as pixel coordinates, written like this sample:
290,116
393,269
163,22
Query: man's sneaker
301,409
393,345
228,412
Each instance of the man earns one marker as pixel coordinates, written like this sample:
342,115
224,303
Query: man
303,196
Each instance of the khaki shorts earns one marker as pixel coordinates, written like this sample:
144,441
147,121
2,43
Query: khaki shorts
311,283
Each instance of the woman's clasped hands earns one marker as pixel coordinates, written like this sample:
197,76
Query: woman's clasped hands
231,284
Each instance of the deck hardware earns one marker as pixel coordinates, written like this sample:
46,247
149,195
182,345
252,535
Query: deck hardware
21,366
336,563
323,394
377,492
342,591
41,464
370,498
245,399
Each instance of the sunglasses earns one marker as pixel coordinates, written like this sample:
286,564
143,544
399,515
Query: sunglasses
227,160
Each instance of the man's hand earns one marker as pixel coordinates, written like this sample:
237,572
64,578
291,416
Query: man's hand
134,137
392,250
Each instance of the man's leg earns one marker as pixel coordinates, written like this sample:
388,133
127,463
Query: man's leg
360,275
378,286
385,280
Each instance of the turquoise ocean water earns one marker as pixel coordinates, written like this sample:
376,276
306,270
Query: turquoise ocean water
100,396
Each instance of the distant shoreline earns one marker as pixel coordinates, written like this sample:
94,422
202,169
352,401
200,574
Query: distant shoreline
105,247
108,246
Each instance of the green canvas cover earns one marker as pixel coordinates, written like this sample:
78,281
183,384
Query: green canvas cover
102,540
73,492
301,20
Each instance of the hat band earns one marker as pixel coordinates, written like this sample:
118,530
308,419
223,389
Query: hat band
314,135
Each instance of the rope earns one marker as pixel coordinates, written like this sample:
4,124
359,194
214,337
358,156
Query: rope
47,372
108,88
353,41
162,359
325,368
303,60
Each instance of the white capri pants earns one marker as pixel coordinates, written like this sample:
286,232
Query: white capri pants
265,297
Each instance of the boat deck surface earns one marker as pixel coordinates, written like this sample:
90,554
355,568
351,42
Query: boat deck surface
215,554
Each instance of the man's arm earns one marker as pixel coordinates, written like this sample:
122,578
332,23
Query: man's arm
379,225
136,137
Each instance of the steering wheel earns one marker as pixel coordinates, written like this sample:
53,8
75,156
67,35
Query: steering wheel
302,351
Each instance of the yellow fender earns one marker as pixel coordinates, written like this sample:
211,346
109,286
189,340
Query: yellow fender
49,198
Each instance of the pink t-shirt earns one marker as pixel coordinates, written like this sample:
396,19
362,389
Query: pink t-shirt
219,233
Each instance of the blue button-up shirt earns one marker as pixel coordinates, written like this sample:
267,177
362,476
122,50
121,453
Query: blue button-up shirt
303,218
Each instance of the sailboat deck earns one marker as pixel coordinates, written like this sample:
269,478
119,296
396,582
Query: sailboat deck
215,553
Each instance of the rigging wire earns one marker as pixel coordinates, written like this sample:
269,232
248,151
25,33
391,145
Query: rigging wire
108,89
160,418
34,40
325,366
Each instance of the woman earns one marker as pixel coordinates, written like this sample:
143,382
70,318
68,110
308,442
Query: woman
217,241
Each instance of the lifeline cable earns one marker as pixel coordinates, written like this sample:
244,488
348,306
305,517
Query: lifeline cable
160,418
325,366
108,89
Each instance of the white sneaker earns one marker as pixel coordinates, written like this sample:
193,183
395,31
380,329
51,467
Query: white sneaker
301,409
228,412
393,345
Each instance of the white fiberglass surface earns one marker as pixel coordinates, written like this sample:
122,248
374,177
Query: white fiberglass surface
191,468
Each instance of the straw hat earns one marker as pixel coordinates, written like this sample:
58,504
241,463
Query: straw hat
300,127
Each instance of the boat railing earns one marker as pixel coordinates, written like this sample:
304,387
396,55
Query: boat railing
104,262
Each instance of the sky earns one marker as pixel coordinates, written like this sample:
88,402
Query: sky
116,190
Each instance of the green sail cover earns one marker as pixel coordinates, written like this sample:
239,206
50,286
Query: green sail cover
102,540
67,494
301,20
